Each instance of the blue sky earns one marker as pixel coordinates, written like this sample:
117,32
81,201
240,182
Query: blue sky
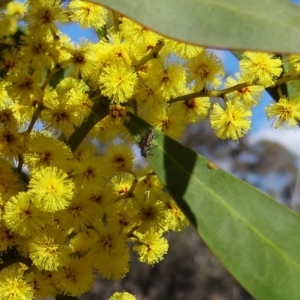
258,118
76,32
231,64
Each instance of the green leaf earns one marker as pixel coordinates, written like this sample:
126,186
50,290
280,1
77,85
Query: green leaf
269,25
255,238
102,33
237,54
57,77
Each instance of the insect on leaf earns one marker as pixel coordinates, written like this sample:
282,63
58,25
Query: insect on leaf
255,238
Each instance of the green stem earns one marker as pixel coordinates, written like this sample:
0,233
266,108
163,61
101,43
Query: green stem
116,21
20,164
65,297
49,77
40,106
279,92
99,111
152,54
236,87
130,192
287,78
35,116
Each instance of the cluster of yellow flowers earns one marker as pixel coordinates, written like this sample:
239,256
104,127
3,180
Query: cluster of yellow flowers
68,209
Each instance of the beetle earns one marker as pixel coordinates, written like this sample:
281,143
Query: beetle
145,142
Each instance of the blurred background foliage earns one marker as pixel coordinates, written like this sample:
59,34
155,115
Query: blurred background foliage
190,270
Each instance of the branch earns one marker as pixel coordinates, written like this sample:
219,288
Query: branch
99,111
222,93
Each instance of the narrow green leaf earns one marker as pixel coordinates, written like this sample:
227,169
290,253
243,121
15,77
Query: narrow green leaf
269,25
57,77
102,33
237,54
256,238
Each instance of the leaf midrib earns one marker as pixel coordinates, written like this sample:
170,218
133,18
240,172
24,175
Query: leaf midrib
232,211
